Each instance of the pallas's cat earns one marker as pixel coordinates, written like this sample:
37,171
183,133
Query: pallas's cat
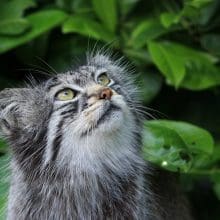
75,141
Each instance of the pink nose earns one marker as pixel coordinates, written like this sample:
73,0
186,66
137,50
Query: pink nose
106,93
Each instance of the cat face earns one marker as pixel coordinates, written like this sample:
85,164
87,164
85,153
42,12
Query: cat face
87,101
93,106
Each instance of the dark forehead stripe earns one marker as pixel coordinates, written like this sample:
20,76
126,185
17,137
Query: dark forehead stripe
89,71
52,83
80,77
69,78
92,74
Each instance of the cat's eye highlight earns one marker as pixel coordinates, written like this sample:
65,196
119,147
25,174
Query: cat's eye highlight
65,95
103,79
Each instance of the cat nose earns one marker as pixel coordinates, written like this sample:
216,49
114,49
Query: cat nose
105,93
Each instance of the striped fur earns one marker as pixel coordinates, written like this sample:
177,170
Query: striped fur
80,159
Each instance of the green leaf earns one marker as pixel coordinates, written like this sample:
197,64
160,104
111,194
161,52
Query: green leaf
168,18
198,3
208,13
176,146
126,6
211,42
193,12
107,13
14,9
184,66
87,27
201,75
14,27
11,13
216,156
138,56
67,5
166,59
77,6
217,190
145,31
40,22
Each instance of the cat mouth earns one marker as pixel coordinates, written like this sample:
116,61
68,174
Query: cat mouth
106,116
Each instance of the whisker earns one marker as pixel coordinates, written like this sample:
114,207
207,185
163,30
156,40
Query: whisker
47,64
41,71
139,107
146,115
42,68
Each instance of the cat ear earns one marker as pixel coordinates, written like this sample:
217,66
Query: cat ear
9,101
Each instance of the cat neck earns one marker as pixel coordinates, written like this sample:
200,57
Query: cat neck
109,191
88,180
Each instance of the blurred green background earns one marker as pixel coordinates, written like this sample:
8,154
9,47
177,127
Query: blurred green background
174,47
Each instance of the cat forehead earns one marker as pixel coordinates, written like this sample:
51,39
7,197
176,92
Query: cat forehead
82,76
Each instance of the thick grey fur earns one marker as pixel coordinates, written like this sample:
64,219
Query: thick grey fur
65,169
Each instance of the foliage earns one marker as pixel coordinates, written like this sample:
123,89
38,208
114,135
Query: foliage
177,146
175,45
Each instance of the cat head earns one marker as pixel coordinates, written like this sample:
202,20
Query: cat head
91,109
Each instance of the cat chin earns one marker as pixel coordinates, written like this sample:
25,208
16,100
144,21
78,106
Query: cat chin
111,123
108,123
102,118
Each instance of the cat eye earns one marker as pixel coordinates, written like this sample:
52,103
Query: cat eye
65,95
103,79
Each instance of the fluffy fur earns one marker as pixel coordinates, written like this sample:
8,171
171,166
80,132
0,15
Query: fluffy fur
75,160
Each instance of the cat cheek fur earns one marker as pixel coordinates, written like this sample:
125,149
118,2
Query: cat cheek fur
9,111
22,112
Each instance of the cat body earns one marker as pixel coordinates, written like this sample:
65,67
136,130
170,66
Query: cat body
76,150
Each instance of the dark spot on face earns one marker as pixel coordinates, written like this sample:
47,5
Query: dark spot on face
93,75
77,81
